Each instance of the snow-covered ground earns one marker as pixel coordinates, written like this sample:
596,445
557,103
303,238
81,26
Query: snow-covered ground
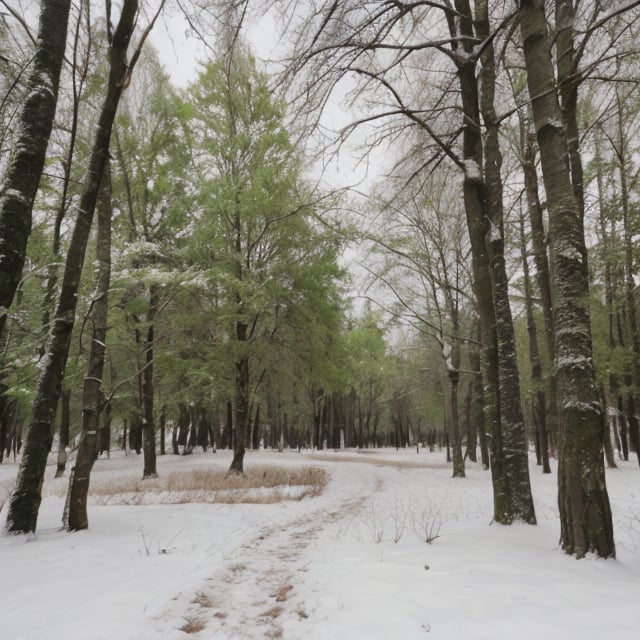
351,564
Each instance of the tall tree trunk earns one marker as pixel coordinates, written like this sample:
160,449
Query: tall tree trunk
148,420
458,460
514,439
568,82
92,394
256,430
241,403
538,396
78,79
585,512
511,490
25,500
163,429
27,162
543,278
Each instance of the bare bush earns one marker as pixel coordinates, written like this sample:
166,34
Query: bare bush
427,522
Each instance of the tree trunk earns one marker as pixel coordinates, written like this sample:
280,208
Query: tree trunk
585,512
27,162
105,431
256,430
63,438
541,261
91,394
538,400
163,429
25,500
458,460
148,420
510,477
242,402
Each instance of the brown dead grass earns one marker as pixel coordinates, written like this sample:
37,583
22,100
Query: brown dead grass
282,593
273,613
193,625
259,485
203,600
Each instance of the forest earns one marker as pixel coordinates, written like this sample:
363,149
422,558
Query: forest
182,268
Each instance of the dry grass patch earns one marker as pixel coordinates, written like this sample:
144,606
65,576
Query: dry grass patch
203,600
193,625
237,568
259,485
274,612
282,593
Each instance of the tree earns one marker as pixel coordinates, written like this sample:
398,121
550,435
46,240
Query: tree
23,174
254,235
92,397
585,513
26,497
151,160
426,247
389,47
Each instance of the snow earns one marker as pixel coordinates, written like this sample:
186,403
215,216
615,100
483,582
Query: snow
472,170
16,195
320,568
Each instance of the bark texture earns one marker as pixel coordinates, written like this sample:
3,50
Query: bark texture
585,513
92,388
25,500
25,167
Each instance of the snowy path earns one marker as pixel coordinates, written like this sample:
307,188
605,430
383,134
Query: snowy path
255,588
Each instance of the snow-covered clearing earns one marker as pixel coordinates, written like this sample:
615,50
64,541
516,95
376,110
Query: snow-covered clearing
350,564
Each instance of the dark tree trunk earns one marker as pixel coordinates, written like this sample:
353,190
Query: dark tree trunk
541,261
256,430
135,433
105,431
608,449
92,388
242,402
26,164
585,512
227,434
25,500
4,418
471,426
203,428
477,397
182,426
78,77
458,460
163,429
63,438
538,401
148,420
509,464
